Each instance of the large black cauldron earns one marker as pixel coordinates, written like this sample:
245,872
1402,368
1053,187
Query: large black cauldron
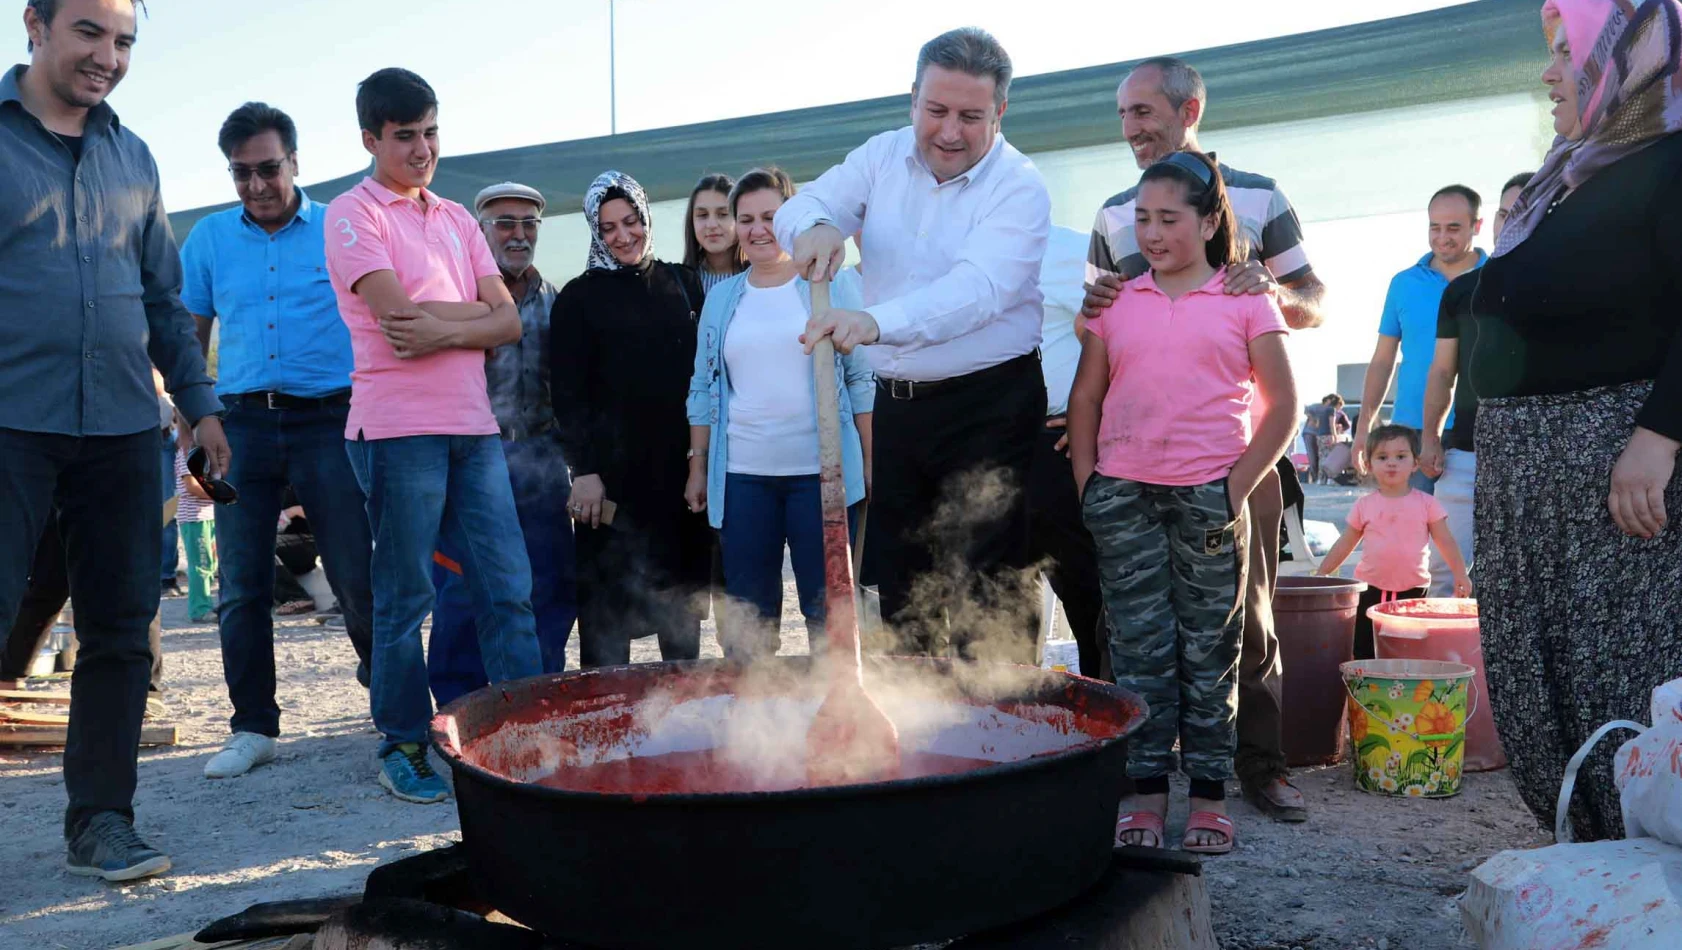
872,865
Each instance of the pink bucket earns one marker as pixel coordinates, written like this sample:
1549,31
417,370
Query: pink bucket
1443,628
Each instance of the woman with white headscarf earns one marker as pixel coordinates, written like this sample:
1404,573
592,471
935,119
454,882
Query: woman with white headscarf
622,350
1578,368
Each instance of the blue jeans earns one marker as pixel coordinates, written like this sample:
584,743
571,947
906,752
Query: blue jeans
1423,482
762,513
171,550
273,448
541,487
423,490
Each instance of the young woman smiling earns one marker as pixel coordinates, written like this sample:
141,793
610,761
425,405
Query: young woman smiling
753,460
709,246
623,343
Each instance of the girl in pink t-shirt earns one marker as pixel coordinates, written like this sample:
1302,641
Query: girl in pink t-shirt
1398,523
1164,455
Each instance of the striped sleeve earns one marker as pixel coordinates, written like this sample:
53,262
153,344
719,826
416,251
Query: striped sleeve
1100,259
1282,247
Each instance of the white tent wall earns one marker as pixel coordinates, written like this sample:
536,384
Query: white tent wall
1360,184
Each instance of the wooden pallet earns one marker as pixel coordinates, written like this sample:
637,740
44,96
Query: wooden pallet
56,732
35,697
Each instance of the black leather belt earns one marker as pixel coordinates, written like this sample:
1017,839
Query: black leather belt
272,400
923,389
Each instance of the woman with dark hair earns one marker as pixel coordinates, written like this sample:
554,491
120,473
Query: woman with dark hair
753,444
1578,366
709,244
623,346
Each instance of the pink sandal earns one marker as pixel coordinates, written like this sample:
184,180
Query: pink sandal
1147,821
1209,821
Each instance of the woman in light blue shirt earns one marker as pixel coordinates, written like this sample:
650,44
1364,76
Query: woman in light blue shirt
753,461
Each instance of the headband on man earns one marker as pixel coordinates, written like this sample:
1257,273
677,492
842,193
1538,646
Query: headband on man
1190,163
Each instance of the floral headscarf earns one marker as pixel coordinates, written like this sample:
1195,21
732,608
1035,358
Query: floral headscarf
1628,60
601,257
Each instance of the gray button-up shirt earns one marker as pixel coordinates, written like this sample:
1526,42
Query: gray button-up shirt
517,374
90,282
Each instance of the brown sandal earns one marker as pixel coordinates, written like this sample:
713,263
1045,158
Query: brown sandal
1264,798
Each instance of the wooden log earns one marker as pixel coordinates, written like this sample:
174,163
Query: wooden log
24,734
1129,909
33,718
28,696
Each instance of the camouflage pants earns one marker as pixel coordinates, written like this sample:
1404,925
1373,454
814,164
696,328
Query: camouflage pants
1171,561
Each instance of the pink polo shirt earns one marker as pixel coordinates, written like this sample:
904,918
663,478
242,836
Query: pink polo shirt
438,255
1395,539
1178,408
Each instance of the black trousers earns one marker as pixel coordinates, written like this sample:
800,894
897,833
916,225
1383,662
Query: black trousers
1365,646
106,491
643,576
950,512
1059,541
46,595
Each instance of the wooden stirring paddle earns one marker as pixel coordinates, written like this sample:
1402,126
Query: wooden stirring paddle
850,739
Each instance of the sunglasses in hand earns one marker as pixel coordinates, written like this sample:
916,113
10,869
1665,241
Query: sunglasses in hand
219,491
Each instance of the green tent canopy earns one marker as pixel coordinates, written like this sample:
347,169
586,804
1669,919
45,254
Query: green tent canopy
1461,52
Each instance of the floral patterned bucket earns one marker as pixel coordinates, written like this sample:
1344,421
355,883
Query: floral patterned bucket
1407,725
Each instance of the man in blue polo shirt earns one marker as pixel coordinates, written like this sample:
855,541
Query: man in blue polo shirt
1409,322
284,376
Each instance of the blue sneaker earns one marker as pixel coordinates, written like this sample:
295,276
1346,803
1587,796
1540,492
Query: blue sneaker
108,848
406,773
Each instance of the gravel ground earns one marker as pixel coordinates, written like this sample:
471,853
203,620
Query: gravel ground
1364,872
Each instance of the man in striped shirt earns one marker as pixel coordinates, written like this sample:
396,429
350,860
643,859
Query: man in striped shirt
1161,103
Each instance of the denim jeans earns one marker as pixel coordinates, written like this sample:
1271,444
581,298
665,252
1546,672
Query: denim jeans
1454,492
1423,482
273,448
541,487
424,490
107,492
762,513
170,550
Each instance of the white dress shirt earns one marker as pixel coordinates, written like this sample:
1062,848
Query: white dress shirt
953,280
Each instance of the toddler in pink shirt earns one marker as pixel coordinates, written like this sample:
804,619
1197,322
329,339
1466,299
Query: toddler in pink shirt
1397,524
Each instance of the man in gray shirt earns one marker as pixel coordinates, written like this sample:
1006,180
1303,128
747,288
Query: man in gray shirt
88,304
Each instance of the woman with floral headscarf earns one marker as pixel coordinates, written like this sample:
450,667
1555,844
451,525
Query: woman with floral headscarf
1578,367
622,350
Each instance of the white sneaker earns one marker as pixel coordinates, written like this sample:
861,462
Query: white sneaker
242,752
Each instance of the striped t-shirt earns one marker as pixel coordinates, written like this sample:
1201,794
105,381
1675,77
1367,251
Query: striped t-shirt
712,278
189,507
1271,230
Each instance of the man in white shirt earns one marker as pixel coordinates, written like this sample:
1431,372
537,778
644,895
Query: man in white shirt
956,225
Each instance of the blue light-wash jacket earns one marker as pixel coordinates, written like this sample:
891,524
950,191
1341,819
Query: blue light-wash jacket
709,387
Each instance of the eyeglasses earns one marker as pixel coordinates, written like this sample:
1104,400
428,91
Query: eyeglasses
268,171
219,491
510,225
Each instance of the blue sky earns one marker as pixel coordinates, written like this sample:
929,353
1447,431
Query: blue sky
521,72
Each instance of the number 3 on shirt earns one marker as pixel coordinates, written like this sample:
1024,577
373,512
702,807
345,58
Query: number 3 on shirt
344,228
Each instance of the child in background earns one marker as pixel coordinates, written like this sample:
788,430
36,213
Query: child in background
1161,443
196,514
1398,523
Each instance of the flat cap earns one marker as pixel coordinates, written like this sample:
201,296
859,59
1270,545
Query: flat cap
508,189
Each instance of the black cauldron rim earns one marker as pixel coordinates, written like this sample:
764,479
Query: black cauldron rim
440,740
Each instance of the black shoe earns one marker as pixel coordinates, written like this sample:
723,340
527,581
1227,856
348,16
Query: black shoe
170,588
107,847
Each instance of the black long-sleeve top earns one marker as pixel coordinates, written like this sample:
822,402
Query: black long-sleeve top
622,349
1594,296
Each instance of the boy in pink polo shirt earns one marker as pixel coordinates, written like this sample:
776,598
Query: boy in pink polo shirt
423,299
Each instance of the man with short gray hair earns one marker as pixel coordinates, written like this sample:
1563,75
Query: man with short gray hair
957,227
517,377
1161,103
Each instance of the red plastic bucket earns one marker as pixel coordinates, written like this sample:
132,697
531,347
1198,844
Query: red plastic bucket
1443,628
1315,618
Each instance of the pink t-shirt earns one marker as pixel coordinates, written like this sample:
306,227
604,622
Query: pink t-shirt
1178,407
1395,539
438,255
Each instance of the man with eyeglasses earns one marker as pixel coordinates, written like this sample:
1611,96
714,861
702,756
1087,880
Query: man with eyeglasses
283,374
517,377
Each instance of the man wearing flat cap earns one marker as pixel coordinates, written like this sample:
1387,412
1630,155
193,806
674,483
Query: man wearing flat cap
517,375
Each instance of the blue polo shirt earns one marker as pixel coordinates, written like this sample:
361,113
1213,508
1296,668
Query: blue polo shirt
281,330
1410,315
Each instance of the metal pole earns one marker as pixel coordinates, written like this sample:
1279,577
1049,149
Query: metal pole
612,77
